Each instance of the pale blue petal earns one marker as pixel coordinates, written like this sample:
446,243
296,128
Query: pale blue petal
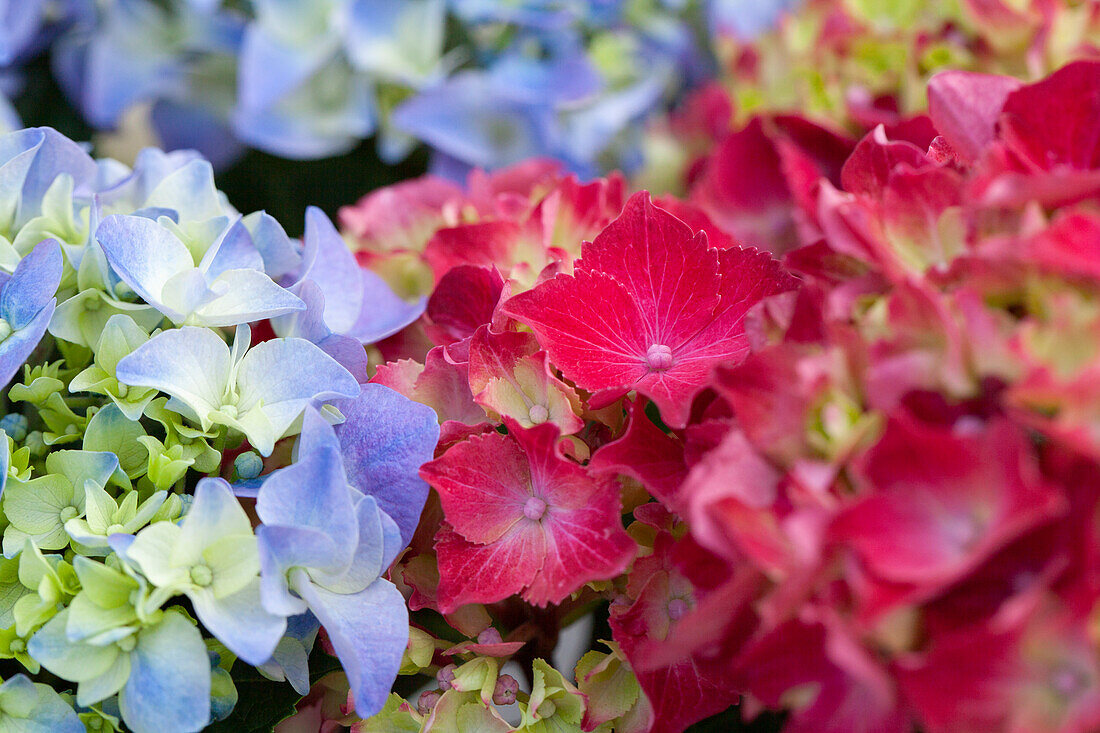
53,154
286,374
270,69
183,294
32,285
241,296
366,564
392,541
384,440
241,622
383,313
214,514
233,250
285,548
280,254
15,349
369,632
399,40
169,686
330,264
312,493
190,364
291,658
49,712
469,118
190,190
309,324
143,253
5,461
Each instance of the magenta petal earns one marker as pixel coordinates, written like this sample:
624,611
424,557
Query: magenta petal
470,573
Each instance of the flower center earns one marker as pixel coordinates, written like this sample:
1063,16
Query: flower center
538,414
17,646
659,357
547,709
534,508
127,644
115,529
69,512
677,607
201,575
5,329
123,390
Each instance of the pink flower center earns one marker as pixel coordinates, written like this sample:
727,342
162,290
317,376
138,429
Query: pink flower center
1067,681
677,607
538,414
534,508
659,357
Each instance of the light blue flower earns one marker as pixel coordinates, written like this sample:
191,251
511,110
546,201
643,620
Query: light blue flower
745,18
310,325
26,306
397,40
226,287
323,547
161,673
30,707
178,184
469,118
365,309
384,439
30,161
137,50
290,661
259,391
212,558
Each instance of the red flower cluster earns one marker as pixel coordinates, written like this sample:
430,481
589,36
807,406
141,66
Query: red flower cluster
871,473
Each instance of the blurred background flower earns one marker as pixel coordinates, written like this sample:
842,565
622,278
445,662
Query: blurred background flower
355,85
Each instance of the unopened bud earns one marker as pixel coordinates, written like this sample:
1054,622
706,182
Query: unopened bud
427,700
446,676
505,691
248,465
489,636
15,425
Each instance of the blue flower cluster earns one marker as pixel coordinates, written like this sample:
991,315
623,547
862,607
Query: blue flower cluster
483,83
131,567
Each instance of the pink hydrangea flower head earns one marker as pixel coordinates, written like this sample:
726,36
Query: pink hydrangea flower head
522,519
650,307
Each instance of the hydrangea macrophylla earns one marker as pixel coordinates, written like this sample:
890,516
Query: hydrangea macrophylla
27,304
323,546
248,389
547,529
226,287
511,376
365,308
966,497
161,673
104,538
212,558
650,308
35,708
307,81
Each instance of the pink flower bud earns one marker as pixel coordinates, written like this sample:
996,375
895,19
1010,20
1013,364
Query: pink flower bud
506,689
427,701
446,676
489,636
